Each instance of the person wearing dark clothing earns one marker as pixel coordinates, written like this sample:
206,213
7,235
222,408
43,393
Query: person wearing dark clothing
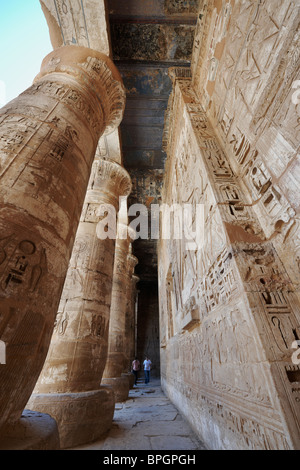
136,365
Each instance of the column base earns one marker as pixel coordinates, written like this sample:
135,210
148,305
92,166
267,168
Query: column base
33,431
130,377
81,417
120,386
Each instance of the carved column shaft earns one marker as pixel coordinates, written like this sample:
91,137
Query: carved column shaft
48,139
79,345
129,344
116,359
69,384
230,294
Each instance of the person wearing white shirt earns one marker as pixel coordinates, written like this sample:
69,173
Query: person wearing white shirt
147,367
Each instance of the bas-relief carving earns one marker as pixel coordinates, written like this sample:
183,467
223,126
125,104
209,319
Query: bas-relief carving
76,22
223,280
22,264
265,275
47,166
260,131
66,13
218,357
245,427
115,95
242,431
256,35
44,174
271,36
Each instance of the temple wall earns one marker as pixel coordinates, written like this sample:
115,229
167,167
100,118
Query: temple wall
229,309
245,70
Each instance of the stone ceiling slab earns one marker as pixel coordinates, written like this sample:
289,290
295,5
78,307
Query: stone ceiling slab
152,42
147,38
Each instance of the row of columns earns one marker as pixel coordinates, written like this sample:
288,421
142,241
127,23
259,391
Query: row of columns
56,299
117,363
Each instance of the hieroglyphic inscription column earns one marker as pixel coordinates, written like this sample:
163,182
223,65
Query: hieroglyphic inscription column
131,293
116,361
129,329
48,139
69,385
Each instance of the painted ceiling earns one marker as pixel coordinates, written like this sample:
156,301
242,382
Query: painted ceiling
148,37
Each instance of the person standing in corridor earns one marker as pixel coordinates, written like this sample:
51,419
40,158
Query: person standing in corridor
136,365
147,367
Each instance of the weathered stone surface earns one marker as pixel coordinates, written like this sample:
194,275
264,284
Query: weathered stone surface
81,417
229,306
117,360
119,384
48,141
79,345
153,9
33,431
152,42
73,22
78,350
231,370
177,7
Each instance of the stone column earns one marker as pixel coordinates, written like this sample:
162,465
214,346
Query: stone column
129,344
135,302
116,361
69,385
129,325
48,139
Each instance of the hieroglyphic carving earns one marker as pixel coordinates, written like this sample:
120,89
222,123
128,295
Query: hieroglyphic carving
263,273
250,318
72,33
273,203
115,94
22,265
220,282
43,183
76,22
99,326
242,148
61,323
74,98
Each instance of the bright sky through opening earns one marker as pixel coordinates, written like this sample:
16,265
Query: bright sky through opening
24,42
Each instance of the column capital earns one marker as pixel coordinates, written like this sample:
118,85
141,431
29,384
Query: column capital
109,181
97,74
132,261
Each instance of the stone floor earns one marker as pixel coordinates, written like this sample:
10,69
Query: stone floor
147,421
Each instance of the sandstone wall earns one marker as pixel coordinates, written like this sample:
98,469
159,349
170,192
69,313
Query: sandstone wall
229,310
245,71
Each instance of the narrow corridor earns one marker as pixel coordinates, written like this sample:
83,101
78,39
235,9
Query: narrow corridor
147,421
